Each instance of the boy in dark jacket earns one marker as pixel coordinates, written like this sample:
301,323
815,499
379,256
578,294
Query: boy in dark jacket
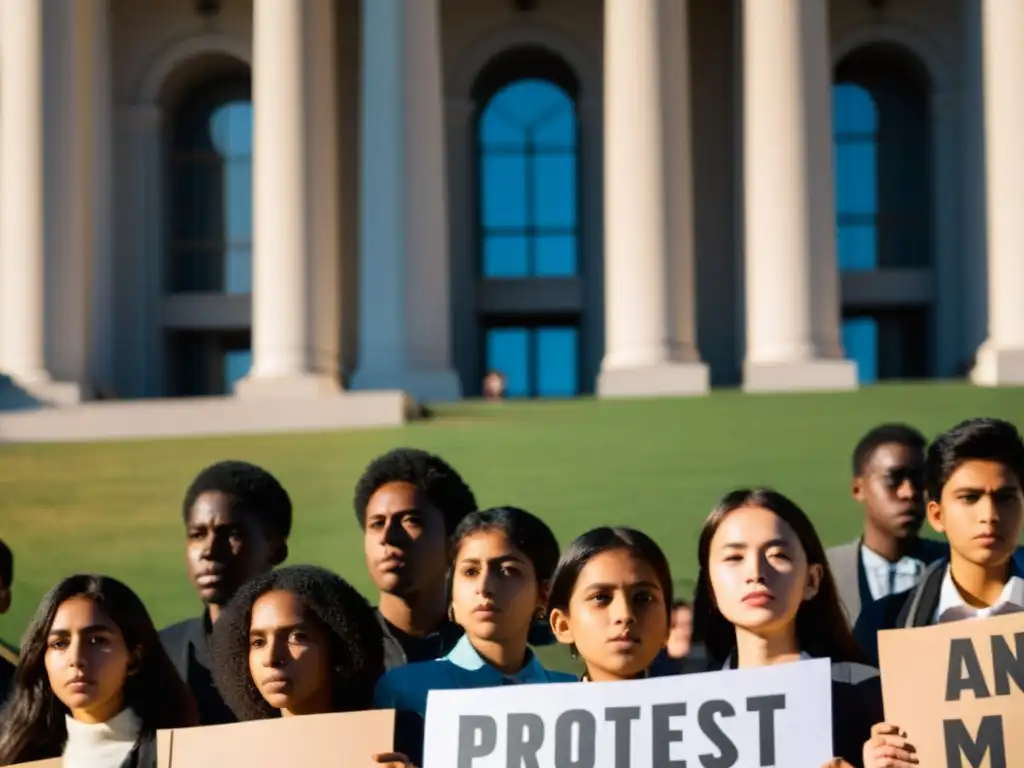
974,475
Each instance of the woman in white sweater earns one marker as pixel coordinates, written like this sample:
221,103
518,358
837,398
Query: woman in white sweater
93,683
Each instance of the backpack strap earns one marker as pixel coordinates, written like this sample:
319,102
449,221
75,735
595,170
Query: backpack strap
918,610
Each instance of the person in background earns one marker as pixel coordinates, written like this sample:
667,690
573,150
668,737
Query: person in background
298,640
495,385
611,599
680,631
974,475
237,520
8,656
890,555
683,654
93,684
765,596
408,502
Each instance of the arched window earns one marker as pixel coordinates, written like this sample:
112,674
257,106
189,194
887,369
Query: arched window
527,155
883,150
883,157
528,181
211,189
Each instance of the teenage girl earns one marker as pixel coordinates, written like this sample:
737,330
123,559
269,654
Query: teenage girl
502,560
299,640
765,596
93,683
611,599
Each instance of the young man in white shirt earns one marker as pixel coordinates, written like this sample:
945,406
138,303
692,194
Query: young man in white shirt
974,476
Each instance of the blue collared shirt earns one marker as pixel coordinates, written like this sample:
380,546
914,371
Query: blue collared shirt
406,688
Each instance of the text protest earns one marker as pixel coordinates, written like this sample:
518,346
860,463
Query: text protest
958,690
773,716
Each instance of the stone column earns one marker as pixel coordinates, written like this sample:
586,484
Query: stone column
648,250
404,264
29,233
792,272
79,268
294,268
139,200
1000,359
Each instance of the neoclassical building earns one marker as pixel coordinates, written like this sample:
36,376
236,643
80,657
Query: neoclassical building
288,197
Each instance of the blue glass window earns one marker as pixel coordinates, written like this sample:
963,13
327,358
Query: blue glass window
540,361
211,190
527,144
860,340
237,363
882,122
855,120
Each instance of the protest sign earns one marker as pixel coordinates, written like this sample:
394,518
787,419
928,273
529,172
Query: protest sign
342,740
957,689
770,716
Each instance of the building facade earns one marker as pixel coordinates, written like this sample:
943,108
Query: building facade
628,197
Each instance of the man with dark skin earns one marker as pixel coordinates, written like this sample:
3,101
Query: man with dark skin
888,483
408,502
237,520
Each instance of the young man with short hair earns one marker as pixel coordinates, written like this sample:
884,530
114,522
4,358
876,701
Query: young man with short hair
890,555
237,521
408,502
974,475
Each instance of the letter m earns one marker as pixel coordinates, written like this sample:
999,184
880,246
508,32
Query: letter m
989,742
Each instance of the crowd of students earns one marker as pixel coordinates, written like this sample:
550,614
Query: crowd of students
464,593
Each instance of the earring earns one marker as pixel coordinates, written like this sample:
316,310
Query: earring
451,613
540,614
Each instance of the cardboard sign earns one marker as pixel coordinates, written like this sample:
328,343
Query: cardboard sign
957,689
771,716
55,762
343,740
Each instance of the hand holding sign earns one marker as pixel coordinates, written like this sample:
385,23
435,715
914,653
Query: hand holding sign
888,748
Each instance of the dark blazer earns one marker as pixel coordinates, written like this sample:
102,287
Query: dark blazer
186,644
434,646
914,608
847,568
143,754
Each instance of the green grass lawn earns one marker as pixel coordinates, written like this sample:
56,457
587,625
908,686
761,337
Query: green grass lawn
658,465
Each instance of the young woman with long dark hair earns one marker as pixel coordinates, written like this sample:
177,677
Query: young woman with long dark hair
765,596
93,683
298,640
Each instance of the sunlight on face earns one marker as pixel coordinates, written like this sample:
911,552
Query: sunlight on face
289,655
980,512
495,595
617,617
87,661
758,571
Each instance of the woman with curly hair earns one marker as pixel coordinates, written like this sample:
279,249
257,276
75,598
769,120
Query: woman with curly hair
297,641
93,684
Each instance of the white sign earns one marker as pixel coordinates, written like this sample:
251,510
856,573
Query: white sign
751,718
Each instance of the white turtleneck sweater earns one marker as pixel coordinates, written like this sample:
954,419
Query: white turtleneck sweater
101,745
